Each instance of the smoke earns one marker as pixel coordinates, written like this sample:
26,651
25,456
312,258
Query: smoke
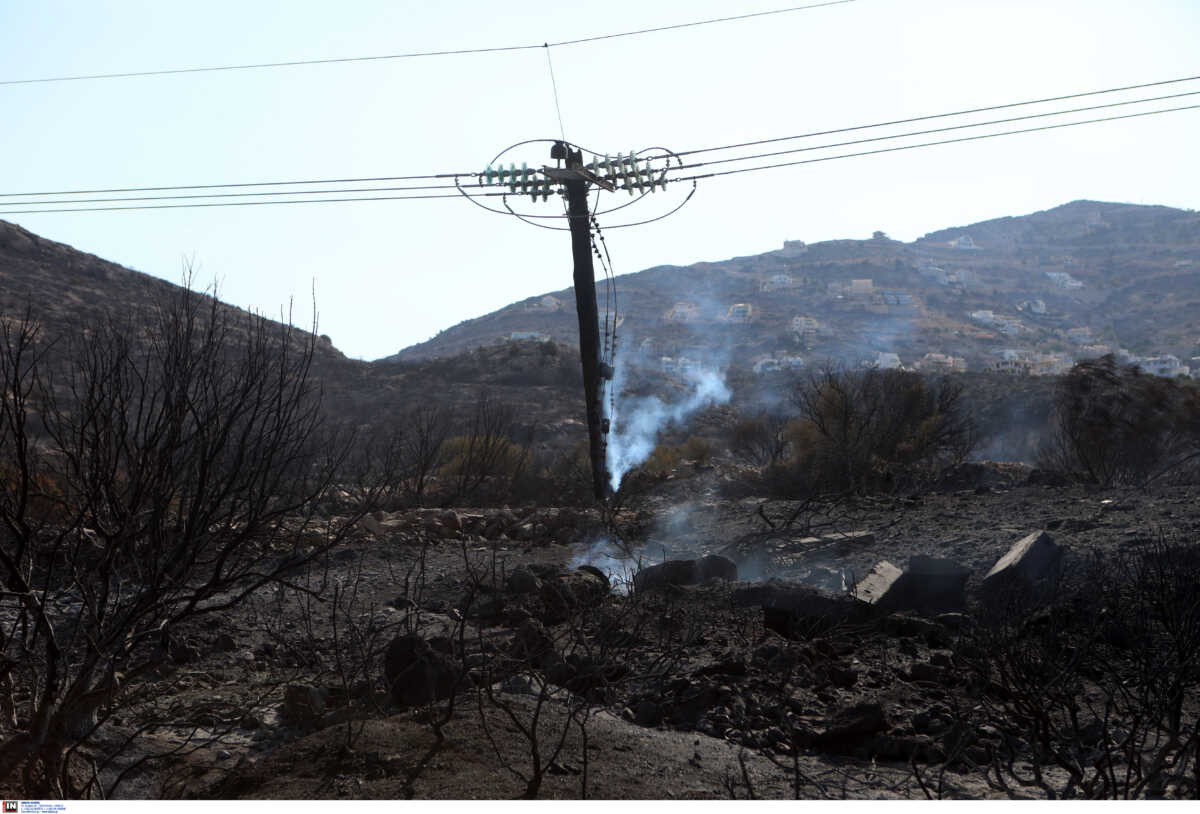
637,423
618,562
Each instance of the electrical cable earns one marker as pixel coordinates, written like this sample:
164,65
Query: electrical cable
694,178
941,115
234,203
554,85
940,129
340,191
450,175
412,54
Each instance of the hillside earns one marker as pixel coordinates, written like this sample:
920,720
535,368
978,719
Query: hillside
65,288
1048,287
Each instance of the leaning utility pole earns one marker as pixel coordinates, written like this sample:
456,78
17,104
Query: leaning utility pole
631,173
575,179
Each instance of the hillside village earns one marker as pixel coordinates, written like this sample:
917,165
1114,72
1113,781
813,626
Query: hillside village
1026,296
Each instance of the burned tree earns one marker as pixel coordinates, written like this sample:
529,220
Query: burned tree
163,467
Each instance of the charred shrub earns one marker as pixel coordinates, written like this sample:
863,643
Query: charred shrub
1091,694
865,430
179,456
1114,424
759,440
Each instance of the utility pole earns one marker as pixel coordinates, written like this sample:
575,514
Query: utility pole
574,179
628,172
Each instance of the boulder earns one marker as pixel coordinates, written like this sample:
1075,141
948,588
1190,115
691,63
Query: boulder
927,585
850,726
685,572
533,645
303,706
876,584
416,673
797,611
1030,568
380,524
522,581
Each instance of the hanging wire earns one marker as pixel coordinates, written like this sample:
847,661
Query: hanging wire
554,84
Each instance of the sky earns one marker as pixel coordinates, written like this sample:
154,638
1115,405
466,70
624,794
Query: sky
388,274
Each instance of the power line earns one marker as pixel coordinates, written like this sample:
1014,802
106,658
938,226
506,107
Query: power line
241,203
412,54
940,115
940,130
933,143
456,175
449,175
62,201
500,194
701,22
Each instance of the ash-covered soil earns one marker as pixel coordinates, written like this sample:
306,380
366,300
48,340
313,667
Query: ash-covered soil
567,681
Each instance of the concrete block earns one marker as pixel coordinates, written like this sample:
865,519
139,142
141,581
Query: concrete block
1032,566
927,585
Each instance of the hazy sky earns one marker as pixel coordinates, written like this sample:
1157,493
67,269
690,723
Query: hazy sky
388,274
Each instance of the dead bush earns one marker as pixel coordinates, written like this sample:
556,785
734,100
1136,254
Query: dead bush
1092,695
183,456
1113,424
864,430
759,441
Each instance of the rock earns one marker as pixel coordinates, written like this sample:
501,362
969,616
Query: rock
928,585
896,748
522,581
797,611
450,520
928,673
182,652
930,722
685,572
303,706
1047,477
557,601
840,676
224,643
586,584
488,606
1029,570
380,524
532,644
876,584
415,673
596,572
648,713
851,725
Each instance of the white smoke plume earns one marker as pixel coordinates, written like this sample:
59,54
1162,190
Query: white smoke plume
637,423
619,563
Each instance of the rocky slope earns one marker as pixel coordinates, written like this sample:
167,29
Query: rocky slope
1128,274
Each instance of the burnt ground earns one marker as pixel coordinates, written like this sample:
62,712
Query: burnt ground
678,692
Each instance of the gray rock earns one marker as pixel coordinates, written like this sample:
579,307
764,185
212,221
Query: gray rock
927,585
685,572
648,713
303,705
850,725
1030,569
522,581
416,673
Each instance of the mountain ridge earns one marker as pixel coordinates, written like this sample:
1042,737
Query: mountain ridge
1127,273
